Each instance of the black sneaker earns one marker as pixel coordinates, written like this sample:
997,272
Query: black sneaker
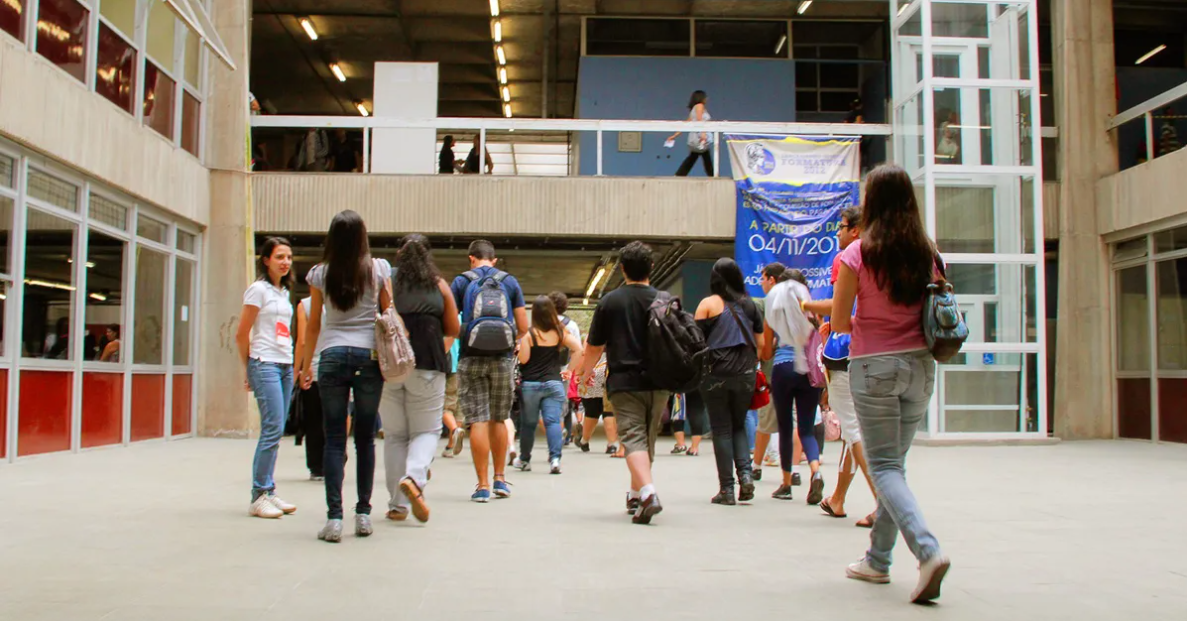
816,491
632,504
724,497
746,488
783,493
611,449
756,474
581,444
648,508
796,480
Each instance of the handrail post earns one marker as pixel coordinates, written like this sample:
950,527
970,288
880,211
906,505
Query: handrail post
366,150
599,151
482,150
716,154
1149,136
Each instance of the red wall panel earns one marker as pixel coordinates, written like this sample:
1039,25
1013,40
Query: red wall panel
1172,415
1133,408
3,413
182,393
102,409
44,422
148,407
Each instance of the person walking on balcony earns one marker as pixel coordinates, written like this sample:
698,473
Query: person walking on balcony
266,352
544,392
891,372
447,162
699,143
472,165
350,288
493,319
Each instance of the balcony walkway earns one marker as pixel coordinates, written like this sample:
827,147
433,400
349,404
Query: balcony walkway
1079,531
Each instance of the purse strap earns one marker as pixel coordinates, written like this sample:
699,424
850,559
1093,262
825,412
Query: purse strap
745,332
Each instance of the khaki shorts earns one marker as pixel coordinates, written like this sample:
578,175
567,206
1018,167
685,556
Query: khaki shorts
768,423
640,415
451,395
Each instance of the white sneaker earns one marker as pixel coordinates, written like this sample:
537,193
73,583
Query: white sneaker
263,507
519,464
861,570
284,507
459,439
931,574
555,466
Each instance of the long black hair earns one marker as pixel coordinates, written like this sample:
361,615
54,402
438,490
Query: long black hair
415,268
698,97
894,244
726,280
545,319
347,260
266,249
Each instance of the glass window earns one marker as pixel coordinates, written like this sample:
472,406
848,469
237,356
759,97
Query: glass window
1130,250
183,313
1133,320
149,331
115,73
191,118
998,301
53,191
1172,314
985,219
62,35
158,100
1172,240
11,13
638,37
105,297
6,166
193,59
49,285
186,242
741,39
6,211
959,20
152,229
989,392
121,14
162,24
983,127
5,287
108,212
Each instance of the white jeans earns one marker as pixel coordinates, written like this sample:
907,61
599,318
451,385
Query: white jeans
411,414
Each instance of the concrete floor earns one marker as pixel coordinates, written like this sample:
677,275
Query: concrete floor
160,531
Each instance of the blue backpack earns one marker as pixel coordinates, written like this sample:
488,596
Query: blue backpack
487,315
943,324
835,354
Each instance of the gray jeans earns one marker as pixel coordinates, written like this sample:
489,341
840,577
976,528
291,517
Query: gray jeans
891,394
411,415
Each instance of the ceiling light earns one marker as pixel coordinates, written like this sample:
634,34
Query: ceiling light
308,26
585,302
338,72
502,75
779,45
48,284
507,110
501,55
362,109
903,8
593,284
803,7
98,296
498,31
494,8
1150,54
506,94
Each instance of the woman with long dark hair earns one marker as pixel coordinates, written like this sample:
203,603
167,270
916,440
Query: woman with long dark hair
544,392
699,143
266,351
412,409
733,328
891,372
350,288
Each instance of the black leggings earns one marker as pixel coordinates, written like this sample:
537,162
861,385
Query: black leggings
315,436
794,389
695,414
686,167
727,400
595,408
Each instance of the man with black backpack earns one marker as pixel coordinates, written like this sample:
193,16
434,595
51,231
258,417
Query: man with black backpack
651,348
493,319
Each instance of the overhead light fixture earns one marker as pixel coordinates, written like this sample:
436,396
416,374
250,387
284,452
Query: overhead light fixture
498,31
501,55
3,296
506,94
99,297
903,8
494,8
779,45
362,109
593,284
338,72
502,75
1150,54
585,302
49,285
308,26
804,6
507,110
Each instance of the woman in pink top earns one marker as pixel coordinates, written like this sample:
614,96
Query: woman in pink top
891,372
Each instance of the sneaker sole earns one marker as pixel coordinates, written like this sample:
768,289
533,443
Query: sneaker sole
329,539
397,516
482,500
644,514
746,493
458,439
853,575
266,517
931,590
420,509
502,494
816,492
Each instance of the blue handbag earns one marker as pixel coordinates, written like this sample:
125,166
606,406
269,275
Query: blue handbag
943,323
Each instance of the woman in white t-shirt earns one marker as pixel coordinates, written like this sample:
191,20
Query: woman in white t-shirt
266,350
349,288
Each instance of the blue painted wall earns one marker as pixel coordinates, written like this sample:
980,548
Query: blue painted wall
658,88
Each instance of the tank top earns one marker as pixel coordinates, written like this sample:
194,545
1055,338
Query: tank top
422,311
694,138
544,365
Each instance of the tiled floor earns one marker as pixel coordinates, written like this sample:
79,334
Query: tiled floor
1078,531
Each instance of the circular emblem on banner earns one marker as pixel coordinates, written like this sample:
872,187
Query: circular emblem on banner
759,161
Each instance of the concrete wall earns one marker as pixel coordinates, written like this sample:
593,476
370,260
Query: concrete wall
1144,194
43,107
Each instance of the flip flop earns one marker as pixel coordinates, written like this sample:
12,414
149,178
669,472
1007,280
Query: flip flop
867,521
828,510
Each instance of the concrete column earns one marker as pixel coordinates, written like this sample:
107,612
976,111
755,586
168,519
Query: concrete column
1085,99
224,407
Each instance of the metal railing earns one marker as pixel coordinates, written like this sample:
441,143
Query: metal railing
1148,111
564,126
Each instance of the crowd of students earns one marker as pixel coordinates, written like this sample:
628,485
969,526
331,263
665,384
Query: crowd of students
874,360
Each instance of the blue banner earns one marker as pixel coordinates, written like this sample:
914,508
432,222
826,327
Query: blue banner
791,192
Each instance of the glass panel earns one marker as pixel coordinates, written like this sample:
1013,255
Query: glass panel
638,37
5,288
152,229
1170,241
1133,320
6,210
108,212
913,27
183,312
148,334
837,102
910,131
193,59
1172,417
162,25
985,393
840,75
186,242
53,191
807,75
49,285
158,100
191,117
115,73
983,127
121,14
11,13
998,301
6,169
1130,250
741,38
959,20
105,297
1172,314
997,217
62,35
1022,39
1133,408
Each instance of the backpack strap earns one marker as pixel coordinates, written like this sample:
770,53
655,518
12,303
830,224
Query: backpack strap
500,276
471,275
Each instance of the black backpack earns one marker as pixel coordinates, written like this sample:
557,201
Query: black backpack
675,346
487,313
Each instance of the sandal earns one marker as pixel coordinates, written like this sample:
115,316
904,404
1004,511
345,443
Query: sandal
678,449
420,509
693,452
867,521
828,510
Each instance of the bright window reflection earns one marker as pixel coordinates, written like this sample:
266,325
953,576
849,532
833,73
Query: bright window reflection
150,307
62,35
49,286
115,73
158,100
11,12
105,298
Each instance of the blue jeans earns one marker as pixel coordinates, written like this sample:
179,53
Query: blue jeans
751,427
545,399
272,384
342,370
891,394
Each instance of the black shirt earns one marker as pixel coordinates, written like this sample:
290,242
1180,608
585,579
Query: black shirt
731,352
620,324
423,312
445,162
